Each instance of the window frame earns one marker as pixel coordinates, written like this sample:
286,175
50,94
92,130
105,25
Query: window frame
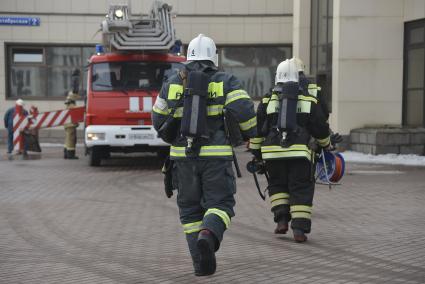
408,26
328,45
9,62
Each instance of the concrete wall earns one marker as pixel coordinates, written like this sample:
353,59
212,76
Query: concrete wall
367,63
414,10
76,21
302,31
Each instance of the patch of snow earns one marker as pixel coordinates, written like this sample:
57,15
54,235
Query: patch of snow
388,159
57,145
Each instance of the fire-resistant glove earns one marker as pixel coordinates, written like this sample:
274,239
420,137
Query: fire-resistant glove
336,138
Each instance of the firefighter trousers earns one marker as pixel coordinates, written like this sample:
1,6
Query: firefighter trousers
205,195
70,137
291,190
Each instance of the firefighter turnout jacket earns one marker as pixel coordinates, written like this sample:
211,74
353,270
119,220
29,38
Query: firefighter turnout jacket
311,121
224,93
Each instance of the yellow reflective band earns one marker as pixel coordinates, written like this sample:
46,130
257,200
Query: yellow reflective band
303,107
305,98
265,100
279,199
301,211
279,202
300,215
302,208
215,90
256,140
192,227
273,106
220,213
225,150
158,110
282,155
178,113
206,151
324,142
255,143
236,95
215,110
175,91
312,90
250,123
177,151
281,195
212,110
254,146
277,152
298,147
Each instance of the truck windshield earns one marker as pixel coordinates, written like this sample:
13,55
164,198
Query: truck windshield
123,76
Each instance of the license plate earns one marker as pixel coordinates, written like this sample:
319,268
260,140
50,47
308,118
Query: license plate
140,136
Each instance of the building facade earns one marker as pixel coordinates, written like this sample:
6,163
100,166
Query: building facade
367,55
36,61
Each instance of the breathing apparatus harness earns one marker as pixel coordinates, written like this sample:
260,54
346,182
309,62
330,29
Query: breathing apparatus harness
194,121
286,125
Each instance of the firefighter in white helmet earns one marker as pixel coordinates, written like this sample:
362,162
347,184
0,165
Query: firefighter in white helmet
189,114
286,122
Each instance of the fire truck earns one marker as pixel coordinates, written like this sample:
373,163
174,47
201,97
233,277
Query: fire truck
124,79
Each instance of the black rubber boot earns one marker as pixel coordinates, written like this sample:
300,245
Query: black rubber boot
206,246
65,153
299,236
71,155
192,240
282,227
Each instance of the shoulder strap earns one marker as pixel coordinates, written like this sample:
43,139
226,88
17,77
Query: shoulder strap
183,77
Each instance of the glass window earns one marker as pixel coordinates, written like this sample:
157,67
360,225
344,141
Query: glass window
131,75
415,63
59,81
323,21
65,56
45,71
27,81
322,59
254,66
416,35
28,55
414,108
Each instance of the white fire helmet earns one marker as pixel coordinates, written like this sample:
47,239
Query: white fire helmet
286,72
20,102
202,48
299,63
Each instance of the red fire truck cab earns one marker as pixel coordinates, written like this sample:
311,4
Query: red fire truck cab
124,82
121,90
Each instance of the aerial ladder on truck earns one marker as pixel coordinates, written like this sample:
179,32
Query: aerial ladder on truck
124,79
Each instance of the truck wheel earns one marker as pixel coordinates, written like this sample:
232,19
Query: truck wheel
95,157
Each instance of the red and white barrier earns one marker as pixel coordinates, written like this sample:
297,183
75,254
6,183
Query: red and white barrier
19,122
43,120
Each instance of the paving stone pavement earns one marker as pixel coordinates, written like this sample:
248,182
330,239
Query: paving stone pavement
64,222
